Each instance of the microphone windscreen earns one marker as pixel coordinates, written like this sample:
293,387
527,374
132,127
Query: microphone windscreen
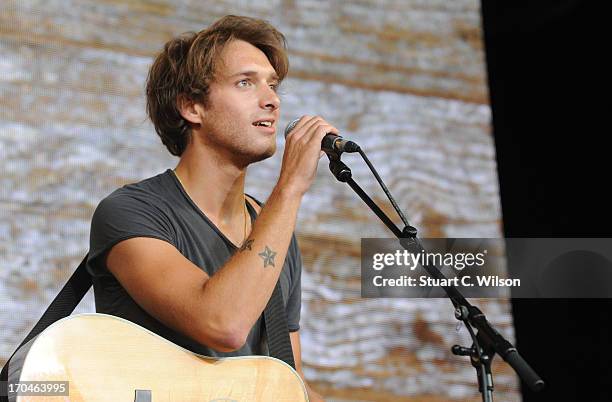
290,126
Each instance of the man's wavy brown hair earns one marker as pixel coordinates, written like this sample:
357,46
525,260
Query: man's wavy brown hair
186,67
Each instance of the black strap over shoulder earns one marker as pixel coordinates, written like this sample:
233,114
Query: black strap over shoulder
62,306
277,331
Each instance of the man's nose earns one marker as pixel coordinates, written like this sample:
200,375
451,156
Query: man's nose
269,99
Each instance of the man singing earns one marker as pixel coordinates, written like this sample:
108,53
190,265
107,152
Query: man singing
181,253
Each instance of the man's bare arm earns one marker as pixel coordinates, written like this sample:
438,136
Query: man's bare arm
219,311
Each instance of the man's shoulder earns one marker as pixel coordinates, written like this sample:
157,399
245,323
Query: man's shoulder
150,185
153,194
134,210
154,187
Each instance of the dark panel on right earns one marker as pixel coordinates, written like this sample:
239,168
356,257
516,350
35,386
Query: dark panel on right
548,82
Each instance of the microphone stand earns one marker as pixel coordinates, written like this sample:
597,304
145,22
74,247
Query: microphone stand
486,341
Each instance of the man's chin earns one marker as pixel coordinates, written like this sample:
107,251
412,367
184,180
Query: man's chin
263,155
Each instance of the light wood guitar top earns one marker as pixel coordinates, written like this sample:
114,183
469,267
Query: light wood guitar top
106,358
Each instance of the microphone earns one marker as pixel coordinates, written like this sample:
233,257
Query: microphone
331,143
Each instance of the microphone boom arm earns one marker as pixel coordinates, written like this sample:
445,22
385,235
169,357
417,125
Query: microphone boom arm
487,341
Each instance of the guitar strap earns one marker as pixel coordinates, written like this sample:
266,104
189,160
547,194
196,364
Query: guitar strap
277,332
62,306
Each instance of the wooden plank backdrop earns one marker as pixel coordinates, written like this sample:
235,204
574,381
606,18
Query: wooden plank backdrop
405,79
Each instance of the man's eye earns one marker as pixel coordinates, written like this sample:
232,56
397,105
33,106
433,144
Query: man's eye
243,83
274,87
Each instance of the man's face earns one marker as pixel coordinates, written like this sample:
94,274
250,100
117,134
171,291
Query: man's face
242,99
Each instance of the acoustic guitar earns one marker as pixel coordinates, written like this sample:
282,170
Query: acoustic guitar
99,357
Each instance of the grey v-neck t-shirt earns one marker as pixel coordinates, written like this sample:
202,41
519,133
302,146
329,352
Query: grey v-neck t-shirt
160,208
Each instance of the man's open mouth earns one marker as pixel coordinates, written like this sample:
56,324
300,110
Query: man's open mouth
264,123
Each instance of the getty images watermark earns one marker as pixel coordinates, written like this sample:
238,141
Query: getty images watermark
488,268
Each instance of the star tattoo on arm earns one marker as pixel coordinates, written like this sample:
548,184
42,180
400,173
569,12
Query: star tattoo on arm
268,256
247,245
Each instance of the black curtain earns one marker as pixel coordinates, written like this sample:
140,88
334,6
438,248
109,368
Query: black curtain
547,70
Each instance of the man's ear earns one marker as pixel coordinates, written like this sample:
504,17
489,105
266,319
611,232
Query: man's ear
189,109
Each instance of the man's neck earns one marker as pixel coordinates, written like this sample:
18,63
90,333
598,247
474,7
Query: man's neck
215,185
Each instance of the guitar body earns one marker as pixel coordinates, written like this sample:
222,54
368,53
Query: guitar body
106,358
